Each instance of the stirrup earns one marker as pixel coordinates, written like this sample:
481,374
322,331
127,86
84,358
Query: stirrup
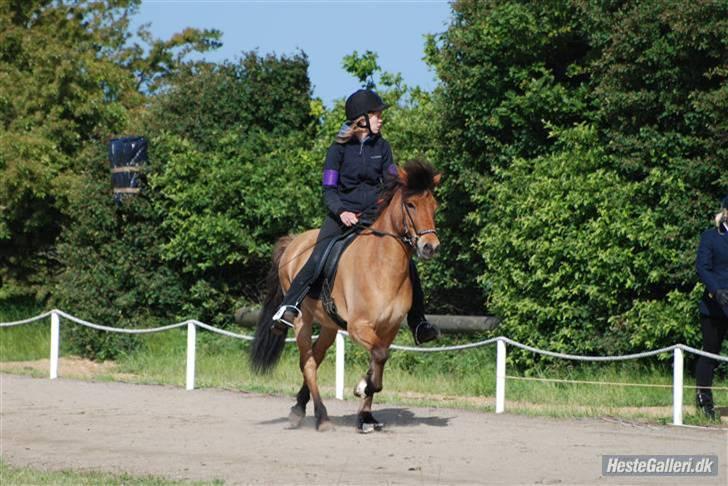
278,317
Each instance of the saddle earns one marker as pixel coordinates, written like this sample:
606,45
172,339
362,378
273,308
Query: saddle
323,285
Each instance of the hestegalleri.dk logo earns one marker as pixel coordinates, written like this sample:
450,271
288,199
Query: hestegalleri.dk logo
643,465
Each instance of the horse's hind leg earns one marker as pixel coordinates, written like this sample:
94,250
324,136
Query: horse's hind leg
298,411
309,367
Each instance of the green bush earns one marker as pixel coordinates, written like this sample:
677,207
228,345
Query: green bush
583,239
196,242
573,261
114,273
71,79
507,70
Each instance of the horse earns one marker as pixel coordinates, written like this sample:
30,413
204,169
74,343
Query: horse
372,291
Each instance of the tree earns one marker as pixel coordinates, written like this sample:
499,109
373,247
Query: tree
586,152
570,250
68,82
220,187
508,69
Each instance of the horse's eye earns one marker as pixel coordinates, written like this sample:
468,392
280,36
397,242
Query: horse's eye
411,205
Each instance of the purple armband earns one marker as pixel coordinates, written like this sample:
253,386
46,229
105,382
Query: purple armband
331,178
392,169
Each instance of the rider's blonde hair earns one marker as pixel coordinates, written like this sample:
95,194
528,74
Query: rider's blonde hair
354,129
721,217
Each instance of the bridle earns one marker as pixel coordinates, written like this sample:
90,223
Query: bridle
407,237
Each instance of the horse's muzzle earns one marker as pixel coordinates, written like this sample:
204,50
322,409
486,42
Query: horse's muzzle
427,249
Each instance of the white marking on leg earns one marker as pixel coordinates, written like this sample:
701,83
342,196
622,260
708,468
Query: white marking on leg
360,389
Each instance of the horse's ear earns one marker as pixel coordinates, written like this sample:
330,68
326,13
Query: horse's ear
402,175
436,179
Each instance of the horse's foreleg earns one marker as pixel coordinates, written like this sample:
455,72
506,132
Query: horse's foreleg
372,383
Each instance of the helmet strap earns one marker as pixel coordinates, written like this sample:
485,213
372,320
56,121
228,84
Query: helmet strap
369,127
366,125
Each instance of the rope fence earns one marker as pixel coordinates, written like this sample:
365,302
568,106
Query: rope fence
501,342
611,383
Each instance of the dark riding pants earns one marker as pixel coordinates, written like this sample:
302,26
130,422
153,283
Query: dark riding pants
330,230
714,331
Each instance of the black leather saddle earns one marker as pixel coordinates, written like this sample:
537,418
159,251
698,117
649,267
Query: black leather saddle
324,283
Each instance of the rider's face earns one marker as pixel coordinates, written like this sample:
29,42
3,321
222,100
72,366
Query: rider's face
375,121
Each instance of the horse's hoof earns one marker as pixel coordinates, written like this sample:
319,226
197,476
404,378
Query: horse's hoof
360,388
366,428
366,418
295,418
325,426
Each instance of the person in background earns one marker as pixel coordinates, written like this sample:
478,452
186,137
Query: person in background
712,266
354,171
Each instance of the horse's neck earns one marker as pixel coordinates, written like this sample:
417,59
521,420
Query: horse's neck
390,222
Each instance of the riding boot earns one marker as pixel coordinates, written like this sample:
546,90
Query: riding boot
289,309
422,330
704,402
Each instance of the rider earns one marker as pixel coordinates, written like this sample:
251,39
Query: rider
356,164
712,266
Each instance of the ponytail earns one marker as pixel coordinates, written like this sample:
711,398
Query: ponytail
353,128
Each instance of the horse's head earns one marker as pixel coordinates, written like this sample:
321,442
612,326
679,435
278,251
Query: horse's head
417,181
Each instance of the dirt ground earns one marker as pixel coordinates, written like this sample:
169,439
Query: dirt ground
244,438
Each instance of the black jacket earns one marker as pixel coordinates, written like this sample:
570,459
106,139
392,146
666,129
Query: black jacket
354,173
712,266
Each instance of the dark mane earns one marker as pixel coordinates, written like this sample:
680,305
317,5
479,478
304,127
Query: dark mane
420,178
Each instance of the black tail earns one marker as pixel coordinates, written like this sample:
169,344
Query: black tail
267,347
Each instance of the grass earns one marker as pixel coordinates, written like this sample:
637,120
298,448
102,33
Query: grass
463,379
21,476
25,342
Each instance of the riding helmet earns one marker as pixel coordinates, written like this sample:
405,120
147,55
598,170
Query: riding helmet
362,102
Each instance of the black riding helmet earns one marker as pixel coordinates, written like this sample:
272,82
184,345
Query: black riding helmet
362,102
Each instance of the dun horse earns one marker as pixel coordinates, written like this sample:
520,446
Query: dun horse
372,291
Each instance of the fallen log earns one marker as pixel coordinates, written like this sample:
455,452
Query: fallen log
248,317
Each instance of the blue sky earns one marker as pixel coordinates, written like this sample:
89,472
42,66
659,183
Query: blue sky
326,30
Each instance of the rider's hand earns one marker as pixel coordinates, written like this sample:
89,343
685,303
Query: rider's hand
721,295
348,218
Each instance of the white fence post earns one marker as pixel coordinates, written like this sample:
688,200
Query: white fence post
500,377
191,351
55,343
340,350
677,388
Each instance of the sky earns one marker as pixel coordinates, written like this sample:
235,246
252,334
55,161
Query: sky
326,30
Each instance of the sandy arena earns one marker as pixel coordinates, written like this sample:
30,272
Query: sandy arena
243,438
